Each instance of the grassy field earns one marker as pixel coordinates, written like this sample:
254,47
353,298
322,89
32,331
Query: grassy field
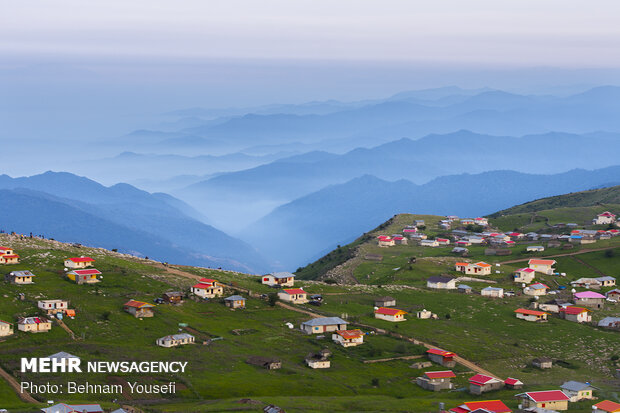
482,330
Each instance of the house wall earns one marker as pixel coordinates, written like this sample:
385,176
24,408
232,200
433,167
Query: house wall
387,317
435,384
5,330
318,364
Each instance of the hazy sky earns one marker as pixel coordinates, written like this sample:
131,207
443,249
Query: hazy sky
83,69
507,32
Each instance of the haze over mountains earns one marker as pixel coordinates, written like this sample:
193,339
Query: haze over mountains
293,181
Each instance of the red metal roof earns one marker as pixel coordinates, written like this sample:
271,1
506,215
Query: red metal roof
546,396
439,374
5,248
295,291
202,285
495,406
389,311
443,353
91,271
512,381
574,310
350,334
207,280
9,256
81,259
481,379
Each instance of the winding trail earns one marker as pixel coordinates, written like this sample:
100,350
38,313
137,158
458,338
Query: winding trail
568,254
25,396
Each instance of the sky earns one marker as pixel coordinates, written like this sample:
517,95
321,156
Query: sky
71,69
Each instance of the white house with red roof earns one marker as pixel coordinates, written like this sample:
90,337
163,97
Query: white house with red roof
399,240
348,338
293,295
34,324
542,266
604,218
79,262
536,289
385,241
576,314
481,383
492,406
548,399
531,315
436,380
390,314
8,256
524,275
512,383
207,288
443,241
443,357
476,268
6,328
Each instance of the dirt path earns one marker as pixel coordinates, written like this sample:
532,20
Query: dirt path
458,359
393,358
25,396
582,262
568,254
66,328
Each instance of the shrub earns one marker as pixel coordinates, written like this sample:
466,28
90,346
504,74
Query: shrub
273,298
375,382
609,253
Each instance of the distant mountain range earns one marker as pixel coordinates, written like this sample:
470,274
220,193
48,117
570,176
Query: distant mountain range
71,208
304,229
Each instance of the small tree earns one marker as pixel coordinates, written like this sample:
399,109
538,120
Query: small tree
609,253
375,382
273,299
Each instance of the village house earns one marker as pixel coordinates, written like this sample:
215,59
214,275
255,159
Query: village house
73,408
606,406
6,328
419,223
513,384
524,275
172,297
494,292
542,266
323,324
293,295
88,276
478,268
542,363
548,399
139,308
79,262
516,236
576,314
174,340
424,314
605,218
268,363
64,357
481,221
34,324
613,295
462,243
429,243
19,277
531,315
443,241
467,221
386,301
283,279
465,289
436,380
577,391
399,240
610,322
418,236
385,241
441,282
589,299
607,281
481,383
460,250
586,283
53,306
207,288
484,406
390,314
445,358
9,259
319,360
235,301
536,289
348,338
535,248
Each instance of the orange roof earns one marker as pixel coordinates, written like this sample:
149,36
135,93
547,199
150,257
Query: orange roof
5,248
389,311
350,334
10,256
529,312
482,264
541,262
608,406
137,304
462,264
